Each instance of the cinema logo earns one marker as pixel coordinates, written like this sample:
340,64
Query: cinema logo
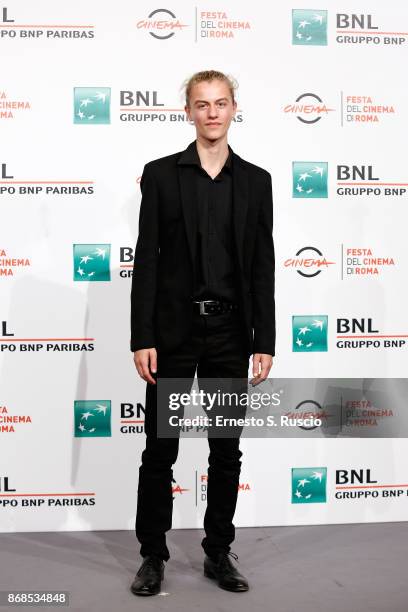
147,106
365,262
177,489
11,184
309,27
308,262
308,108
11,497
365,181
161,24
13,26
363,334
9,107
10,344
308,410
364,109
9,265
9,422
362,413
201,486
218,24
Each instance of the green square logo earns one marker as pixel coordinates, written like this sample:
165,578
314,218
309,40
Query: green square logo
309,27
309,333
309,485
92,418
92,262
91,105
309,179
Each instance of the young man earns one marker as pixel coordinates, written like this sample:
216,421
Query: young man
202,298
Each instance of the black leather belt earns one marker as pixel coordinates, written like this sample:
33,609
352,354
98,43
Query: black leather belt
213,307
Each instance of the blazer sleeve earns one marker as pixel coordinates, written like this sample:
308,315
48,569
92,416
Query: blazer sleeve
263,276
144,277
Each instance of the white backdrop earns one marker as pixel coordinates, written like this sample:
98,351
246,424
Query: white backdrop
70,176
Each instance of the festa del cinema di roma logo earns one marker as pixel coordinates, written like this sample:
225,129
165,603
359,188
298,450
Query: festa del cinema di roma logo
92,262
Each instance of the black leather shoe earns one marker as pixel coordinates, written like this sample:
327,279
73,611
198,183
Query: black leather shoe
225,572
149,576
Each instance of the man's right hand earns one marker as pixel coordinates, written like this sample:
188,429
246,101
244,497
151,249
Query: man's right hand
146,362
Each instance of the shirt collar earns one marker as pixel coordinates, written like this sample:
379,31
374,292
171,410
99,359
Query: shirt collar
190,156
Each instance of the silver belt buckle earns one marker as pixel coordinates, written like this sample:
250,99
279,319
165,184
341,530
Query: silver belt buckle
202,306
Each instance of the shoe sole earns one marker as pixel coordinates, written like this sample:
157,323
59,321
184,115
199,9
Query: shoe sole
144,593
209,574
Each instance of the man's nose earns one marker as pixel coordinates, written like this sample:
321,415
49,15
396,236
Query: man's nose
212,111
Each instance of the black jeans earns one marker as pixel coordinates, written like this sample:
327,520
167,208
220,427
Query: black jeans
216,348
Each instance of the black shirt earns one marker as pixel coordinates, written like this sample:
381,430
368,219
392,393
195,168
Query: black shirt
214,263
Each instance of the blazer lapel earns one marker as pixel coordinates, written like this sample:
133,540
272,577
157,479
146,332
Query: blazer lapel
188,193
240,195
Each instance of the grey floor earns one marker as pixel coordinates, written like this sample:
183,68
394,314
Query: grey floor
325,568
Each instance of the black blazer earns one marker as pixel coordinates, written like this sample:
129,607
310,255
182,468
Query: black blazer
162,281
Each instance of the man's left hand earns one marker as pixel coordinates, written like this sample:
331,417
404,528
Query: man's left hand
261,366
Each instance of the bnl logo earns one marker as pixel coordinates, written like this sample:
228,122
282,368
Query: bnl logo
92,105
92,262
309,333
92,418
309,27
309,179
309,485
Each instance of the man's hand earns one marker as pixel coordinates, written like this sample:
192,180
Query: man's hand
143,359
262,362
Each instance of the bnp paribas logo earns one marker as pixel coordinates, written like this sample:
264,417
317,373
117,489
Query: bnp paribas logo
92,262
92,418
92,105
309,333
309,485
309,179
309,27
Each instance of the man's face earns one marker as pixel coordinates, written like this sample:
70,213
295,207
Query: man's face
211,109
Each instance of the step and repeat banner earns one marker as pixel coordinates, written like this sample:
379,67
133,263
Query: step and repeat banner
89,93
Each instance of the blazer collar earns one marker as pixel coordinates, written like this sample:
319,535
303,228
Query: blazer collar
190,156
188,190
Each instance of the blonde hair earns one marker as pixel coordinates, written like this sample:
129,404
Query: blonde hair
208,75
